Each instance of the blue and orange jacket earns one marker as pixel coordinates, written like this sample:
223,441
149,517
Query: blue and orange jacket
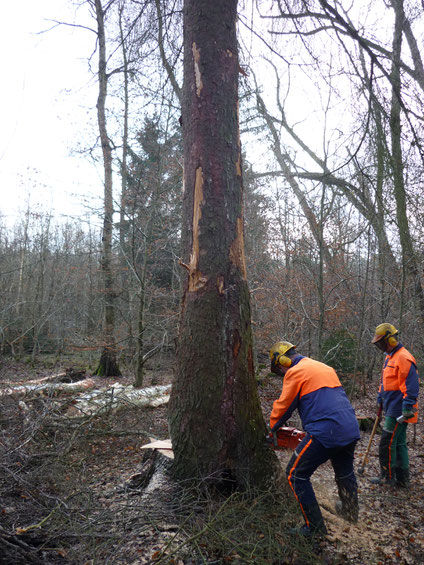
315,390
399,384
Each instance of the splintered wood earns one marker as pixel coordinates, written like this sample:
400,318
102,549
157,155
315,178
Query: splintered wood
163,446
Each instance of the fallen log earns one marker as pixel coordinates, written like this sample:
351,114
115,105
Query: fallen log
118,397
70,375
366,423
48,388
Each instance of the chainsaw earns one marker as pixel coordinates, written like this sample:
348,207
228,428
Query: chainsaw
285,438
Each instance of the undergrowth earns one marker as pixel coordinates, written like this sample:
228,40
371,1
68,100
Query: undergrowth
245,528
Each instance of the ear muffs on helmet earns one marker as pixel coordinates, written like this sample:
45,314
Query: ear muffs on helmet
391,339
279,357
282,360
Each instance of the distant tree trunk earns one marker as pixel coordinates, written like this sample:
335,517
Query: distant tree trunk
409,259
108,365
126,295
39,306
216,424
20,291
139,375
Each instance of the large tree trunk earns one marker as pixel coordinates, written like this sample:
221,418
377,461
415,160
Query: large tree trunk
108,365
216,424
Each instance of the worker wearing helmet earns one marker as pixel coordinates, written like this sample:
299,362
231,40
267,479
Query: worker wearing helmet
398,393
332,431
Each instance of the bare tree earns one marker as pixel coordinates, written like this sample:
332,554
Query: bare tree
108,365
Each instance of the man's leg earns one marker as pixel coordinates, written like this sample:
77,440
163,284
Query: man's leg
342,462
309,455
388,451
402,461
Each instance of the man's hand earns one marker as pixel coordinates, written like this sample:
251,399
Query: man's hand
406,414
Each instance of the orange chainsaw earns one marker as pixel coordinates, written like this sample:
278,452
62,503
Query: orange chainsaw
285,438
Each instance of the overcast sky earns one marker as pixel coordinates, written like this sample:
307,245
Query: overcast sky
46,99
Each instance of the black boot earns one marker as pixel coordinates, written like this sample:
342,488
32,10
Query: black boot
314,524
387,474
348,507
348,511
402,478
384,478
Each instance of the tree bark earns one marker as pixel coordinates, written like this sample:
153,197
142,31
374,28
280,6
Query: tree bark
409,259
108,365
216,424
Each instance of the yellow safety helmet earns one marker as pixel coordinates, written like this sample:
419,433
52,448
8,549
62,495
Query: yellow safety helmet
278,352
388,332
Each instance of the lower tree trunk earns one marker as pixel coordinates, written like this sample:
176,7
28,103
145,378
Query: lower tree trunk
108,365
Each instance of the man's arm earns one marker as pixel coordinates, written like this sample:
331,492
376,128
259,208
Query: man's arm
410,389
283,408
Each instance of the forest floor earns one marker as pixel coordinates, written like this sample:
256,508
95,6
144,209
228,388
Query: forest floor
69,494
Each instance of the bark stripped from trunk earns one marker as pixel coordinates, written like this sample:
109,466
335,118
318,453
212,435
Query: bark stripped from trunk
216,424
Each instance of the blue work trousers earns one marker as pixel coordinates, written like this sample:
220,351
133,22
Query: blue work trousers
308,456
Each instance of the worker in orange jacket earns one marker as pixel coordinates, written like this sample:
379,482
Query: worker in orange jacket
331,427
398,394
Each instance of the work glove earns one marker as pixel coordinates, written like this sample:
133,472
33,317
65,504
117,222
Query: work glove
408,413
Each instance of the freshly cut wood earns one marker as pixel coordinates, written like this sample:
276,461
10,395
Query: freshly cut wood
117,397
164,446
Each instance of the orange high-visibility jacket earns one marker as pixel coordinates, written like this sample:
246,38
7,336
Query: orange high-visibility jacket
315,390
399,385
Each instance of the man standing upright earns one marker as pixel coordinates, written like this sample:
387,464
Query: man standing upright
398,395
332,431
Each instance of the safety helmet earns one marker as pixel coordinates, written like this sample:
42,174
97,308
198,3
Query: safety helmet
278,352
386,331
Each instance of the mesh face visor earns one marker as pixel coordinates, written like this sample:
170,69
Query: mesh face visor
380,344
275,367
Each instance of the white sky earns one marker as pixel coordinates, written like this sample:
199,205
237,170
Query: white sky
46,99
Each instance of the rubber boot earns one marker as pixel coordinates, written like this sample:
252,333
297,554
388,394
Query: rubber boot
384,478
402,478
348,507
387,475
314,525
